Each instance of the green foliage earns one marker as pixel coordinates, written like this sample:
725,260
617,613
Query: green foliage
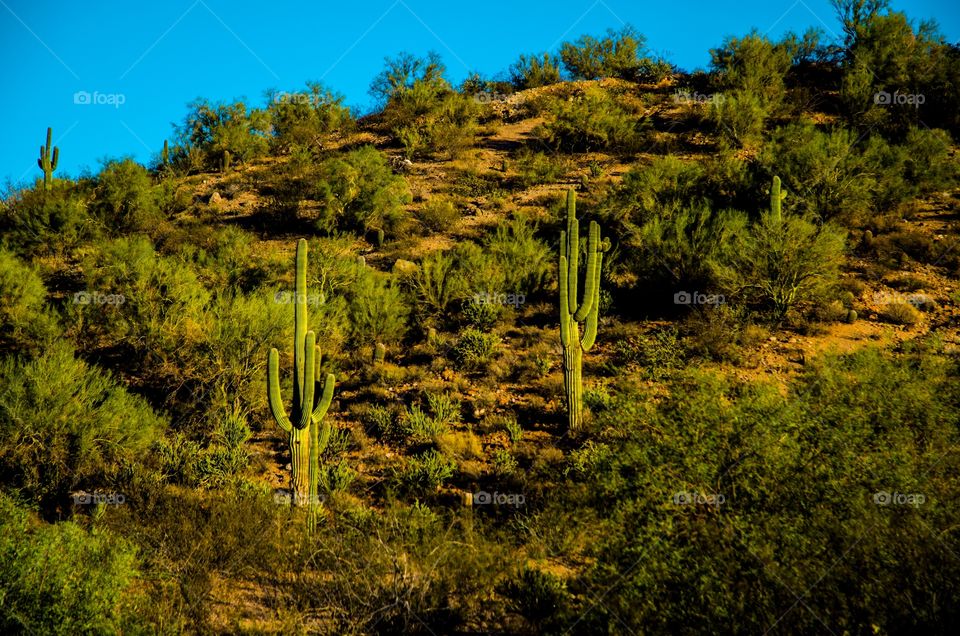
752,65
213,129
539,597
739,118
592,121
125,198
25,322
785,261
65,424
435,284
357,190
61,579
901,314
438,214
425,473
533,71
39,222
535,168
474,349
303,118
523,259
377,310
616,55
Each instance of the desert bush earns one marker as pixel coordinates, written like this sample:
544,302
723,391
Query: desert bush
478,313
359,191
125,199
38,221
539,596
474,349
65,424
523,259
785,262
901,314
62,579
739,118
377,310
214,129
654,189
619,54
752,66
438,215
535,168
25,321
590,122
303,118
425,473
533,71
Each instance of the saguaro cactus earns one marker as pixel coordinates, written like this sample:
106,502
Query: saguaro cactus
48,162
776,198
572,312
165,154
308,434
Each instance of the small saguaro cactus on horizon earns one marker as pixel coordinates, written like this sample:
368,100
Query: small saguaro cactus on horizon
47,161
165,154
308,433
572,312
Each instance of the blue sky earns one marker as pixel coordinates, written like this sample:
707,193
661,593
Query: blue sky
144,64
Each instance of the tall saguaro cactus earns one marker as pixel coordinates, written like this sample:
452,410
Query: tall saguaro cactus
48,162
308,434
776,198
572,312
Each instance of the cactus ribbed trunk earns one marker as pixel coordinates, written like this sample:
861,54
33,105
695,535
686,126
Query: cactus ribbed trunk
307,432
574,310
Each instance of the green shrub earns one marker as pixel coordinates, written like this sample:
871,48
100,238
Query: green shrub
25,322
337,477
125,199
739,117
359,191
435,284
65,424
303,118
474,349
901,314
425,473
523,259
444,407
478,313
616,55
438,215
61,579
38,221
590,122
213,129
654,189
420,426
535,168
377,311
538,596
533,71
755,68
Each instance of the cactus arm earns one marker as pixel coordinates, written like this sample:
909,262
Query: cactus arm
325,398
564,304
590,331
56,158
306,413
273,391
573,253
776,197
590,281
